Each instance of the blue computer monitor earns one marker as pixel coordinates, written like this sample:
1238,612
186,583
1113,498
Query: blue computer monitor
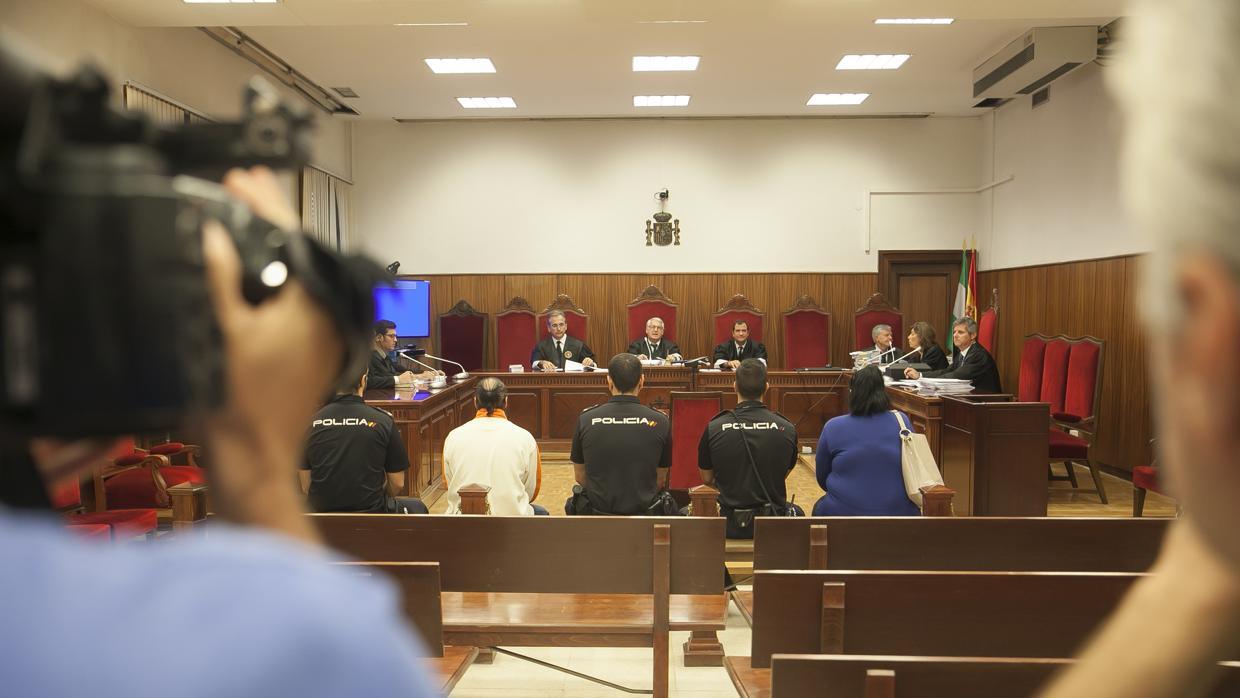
408,304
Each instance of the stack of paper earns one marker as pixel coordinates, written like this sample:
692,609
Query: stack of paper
944,386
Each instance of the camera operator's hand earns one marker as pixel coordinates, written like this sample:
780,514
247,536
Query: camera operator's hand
258,439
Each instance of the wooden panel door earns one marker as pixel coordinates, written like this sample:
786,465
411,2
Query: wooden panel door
921,299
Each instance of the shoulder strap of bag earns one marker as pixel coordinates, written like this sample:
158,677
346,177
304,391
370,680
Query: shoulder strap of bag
753,463
900,419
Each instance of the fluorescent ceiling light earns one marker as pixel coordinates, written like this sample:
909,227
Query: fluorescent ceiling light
487,102
918,20
664,63
661,101
871,61
461,65
430,24
672,21
230,2
836,99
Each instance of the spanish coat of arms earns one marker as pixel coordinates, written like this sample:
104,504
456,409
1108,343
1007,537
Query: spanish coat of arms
662,231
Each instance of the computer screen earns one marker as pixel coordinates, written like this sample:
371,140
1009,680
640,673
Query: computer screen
408,304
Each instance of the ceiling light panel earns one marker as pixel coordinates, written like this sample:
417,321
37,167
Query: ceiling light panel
487,102
431,24
661,101
872,61
664,63
916,20
837,99
460,65
230,2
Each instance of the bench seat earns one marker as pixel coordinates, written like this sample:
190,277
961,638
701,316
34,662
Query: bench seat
749,682
448,669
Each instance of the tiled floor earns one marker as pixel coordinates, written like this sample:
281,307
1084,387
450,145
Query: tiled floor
509,677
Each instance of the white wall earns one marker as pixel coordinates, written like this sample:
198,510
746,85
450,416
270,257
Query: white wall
751,195
182,63
1063,204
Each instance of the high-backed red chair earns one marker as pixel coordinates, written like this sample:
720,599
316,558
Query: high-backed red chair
651,303
807,335
578,320
691,412
139,479
738,307
876,311
988,324
1144,478
1070,382
463,337
516,333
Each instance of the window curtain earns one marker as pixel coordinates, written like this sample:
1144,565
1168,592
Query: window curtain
325,208
161,109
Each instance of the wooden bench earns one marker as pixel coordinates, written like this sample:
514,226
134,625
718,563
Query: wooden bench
841,676
739,554
419,588
964,544
966,614
556,581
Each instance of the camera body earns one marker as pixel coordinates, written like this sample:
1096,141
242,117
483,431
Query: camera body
107,325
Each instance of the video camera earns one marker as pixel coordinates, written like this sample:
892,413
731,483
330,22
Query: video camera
106,326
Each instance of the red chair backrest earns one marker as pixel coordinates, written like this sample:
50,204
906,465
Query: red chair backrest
807,338
1082,381
578,325
516,333
724,322
641,311
876,311
1032,356
462,338
987,328
66,494
691,412
1055,373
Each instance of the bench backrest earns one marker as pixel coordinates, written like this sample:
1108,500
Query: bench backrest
836,676
419,590
574,555
962,614
962,543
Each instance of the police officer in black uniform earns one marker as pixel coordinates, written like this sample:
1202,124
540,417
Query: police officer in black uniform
741,445
622,450
355,458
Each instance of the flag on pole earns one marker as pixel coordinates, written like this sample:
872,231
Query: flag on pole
962,288
970,303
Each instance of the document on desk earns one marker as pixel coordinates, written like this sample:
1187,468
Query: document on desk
571,366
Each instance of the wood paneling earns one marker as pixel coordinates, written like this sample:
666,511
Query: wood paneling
1095,297
604,297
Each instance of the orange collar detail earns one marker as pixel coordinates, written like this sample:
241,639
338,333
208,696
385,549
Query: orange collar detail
497,414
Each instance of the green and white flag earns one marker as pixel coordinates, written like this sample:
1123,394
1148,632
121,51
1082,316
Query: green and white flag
962,287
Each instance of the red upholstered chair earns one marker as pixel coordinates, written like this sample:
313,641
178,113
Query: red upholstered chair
1144,478
96,532
691,412
463,337
1071,380
516,333
807,335
738,307
651,303
876,311
1032,355
139,479
578,321
988,324
66,497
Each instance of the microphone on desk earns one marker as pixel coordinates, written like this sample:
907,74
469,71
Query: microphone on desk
463,375
699,362
439,381
902,357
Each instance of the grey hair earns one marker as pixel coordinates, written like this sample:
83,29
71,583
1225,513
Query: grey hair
490,394
556,313
652,319
879,328
1181,153
968,323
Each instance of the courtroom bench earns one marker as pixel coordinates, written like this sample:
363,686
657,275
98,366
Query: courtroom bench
556,581
420,598
1033,544
915,613
845,676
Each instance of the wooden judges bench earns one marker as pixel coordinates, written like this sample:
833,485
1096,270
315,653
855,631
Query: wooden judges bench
992,451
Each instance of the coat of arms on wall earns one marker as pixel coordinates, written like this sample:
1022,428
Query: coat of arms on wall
662,231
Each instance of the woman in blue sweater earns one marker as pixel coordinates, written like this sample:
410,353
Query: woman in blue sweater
858,462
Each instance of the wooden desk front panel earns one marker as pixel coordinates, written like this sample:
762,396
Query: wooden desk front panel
926,414
995,455
424,424
807,398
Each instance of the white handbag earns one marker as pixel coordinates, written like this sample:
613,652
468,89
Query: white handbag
917,462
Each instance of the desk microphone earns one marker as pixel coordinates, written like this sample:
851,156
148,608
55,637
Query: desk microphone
699,361
902,357
439,381
463,375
